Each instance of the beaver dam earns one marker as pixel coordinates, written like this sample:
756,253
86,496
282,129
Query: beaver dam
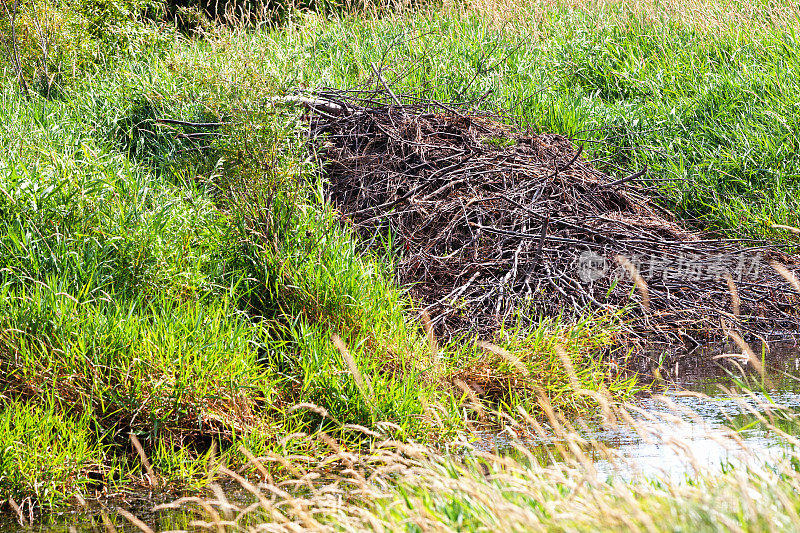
496,226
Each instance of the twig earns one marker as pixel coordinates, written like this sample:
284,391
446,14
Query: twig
633,176
380,79
191,124
15,56
315,104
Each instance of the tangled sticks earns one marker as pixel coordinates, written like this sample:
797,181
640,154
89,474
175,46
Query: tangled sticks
495,226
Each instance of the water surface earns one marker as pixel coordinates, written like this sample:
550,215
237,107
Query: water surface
704,418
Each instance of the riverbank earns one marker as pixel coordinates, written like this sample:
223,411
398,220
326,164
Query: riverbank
186,286
712,451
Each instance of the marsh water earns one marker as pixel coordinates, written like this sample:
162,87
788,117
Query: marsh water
704,416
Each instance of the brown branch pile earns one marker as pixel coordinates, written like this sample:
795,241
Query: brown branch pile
495,226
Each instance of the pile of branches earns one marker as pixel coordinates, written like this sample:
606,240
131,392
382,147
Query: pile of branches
495,226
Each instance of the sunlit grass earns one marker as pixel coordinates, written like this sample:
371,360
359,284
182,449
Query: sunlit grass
188,291
558,479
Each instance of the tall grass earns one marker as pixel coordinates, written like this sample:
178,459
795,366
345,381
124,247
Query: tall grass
185,294
573,484
187,289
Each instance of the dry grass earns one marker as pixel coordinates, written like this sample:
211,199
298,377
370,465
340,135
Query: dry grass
400,487
713,16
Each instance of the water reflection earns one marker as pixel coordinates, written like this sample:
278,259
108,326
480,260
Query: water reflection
708,418
101,519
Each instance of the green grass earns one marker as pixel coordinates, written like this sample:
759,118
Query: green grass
190,296
42,451
715,114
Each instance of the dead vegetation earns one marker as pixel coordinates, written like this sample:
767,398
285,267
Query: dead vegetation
547,477
709,17
496,226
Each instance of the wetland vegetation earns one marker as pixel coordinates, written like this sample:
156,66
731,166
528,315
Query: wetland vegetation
176,300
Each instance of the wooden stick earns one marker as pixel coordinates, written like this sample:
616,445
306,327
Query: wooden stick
315,104
385,86
191,124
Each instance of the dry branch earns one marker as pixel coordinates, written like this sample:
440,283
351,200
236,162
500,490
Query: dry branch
495,225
